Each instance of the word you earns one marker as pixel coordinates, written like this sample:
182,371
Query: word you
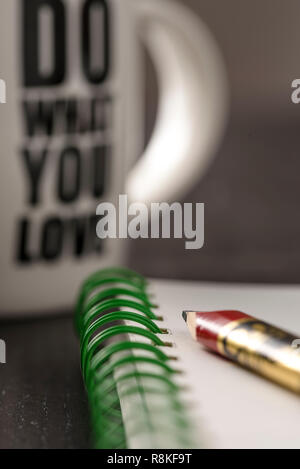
2,352
139,221
2,92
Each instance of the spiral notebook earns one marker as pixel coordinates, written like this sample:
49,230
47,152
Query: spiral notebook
150,386
137,391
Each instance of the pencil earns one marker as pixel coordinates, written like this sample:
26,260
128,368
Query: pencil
254,344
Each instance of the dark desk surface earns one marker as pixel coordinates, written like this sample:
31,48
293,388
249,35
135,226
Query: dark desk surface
42,399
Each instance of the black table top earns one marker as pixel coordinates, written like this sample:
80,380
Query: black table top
42,398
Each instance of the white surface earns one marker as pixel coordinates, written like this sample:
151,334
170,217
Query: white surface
236,408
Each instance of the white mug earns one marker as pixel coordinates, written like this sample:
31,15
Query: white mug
71,131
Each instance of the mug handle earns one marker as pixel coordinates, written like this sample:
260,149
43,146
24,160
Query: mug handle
193,102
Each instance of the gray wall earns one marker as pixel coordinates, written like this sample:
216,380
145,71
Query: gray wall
252,189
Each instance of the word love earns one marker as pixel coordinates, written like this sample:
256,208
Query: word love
2,92
133,221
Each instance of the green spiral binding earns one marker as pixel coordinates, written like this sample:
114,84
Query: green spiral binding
103,335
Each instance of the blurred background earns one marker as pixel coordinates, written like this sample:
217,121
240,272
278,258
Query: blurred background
252,190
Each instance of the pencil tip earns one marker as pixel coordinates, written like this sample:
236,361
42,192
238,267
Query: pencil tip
184,315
